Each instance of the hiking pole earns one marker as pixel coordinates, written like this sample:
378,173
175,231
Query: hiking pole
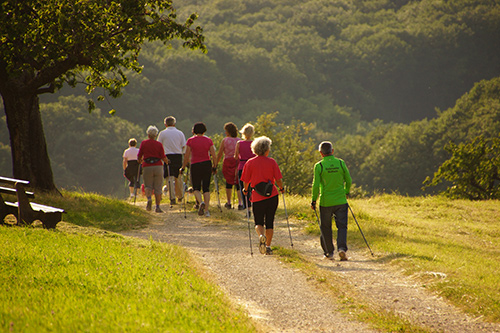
287,223
185,194
319,224
137,181
242,187
169,185
360,229
217,191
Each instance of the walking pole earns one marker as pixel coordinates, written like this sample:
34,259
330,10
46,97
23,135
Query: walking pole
137,181
185,194
287,223
248,215
319,224
217,191
169,185
360,229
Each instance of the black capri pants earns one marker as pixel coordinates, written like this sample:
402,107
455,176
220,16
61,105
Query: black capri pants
264,211
201,174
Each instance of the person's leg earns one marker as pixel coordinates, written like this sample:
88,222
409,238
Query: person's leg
259,216
196,172
271,206
206,178
157,184
325,214
148,185
229,190
341,222
179,192
241,188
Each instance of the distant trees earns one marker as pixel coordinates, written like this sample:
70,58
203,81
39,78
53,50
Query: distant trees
44,44
473,170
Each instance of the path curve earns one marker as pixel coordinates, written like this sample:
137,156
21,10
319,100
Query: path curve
281,299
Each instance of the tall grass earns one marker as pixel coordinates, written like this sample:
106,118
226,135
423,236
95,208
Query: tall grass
67,282
452,246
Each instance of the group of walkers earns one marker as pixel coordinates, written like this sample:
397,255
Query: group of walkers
246,167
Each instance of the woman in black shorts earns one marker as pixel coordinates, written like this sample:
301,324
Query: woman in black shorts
200,152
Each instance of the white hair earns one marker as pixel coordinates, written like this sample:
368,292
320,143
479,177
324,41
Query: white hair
261,145
152,131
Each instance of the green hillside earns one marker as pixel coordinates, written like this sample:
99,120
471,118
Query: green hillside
337,66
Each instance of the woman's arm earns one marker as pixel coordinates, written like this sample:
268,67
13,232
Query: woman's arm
237,151
279,182
187,157
220,153
214,157
125,163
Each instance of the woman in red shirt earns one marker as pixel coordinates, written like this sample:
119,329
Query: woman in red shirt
200,152
257,173
151,155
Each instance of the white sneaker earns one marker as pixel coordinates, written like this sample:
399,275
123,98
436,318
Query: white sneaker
207,214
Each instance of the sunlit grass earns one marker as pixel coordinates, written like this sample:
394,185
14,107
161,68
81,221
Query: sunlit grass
56,281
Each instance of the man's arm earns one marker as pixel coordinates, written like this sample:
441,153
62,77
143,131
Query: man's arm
348,180
316,181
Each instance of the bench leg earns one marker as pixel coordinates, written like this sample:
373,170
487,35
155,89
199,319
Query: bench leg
26,215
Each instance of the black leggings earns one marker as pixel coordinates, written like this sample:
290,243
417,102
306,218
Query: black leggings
264,211
201,173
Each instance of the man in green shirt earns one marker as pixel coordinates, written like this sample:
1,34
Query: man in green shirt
332,183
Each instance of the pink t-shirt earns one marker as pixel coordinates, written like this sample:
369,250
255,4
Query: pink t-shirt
200,148
229,146
246,153
261,169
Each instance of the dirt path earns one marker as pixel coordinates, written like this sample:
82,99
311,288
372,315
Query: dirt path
280,299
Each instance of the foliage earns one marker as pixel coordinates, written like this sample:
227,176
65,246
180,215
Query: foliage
58,281
94,41
86,148
292,149
473,170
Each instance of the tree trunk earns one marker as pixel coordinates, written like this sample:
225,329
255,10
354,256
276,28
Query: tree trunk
27,139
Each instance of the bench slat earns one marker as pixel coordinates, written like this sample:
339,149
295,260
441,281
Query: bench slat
13,181
45,209
13,191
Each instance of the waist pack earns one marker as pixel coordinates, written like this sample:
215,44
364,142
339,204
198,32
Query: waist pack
151,160
264,189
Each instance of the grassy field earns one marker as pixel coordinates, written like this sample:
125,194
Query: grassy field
90,279
452,246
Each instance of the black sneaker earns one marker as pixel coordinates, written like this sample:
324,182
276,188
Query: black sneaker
241,207
172,202
149,205
158,210
269,251
227,205
262,244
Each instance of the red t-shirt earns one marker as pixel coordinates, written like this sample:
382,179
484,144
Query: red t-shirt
200,148
261,169
151,148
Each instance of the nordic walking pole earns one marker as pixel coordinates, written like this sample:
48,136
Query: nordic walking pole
360,229
287,223
217,191
185,194
319,224
137,181
242,187
169,185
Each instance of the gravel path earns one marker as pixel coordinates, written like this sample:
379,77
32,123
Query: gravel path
281,299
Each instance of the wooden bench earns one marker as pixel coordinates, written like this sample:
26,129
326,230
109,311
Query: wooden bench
25,211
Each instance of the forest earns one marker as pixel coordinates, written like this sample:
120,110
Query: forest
391,83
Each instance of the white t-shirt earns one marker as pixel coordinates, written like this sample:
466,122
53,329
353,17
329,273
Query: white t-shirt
173,140
131,153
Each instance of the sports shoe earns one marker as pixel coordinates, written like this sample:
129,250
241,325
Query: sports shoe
201,210
172,202
227,205
158,210
328,256
269,251
207,213
241,207
343,256
262,244
196,206
149,204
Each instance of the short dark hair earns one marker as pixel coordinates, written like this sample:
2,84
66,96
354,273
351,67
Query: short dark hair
231,129
132,142
326,147
199,128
